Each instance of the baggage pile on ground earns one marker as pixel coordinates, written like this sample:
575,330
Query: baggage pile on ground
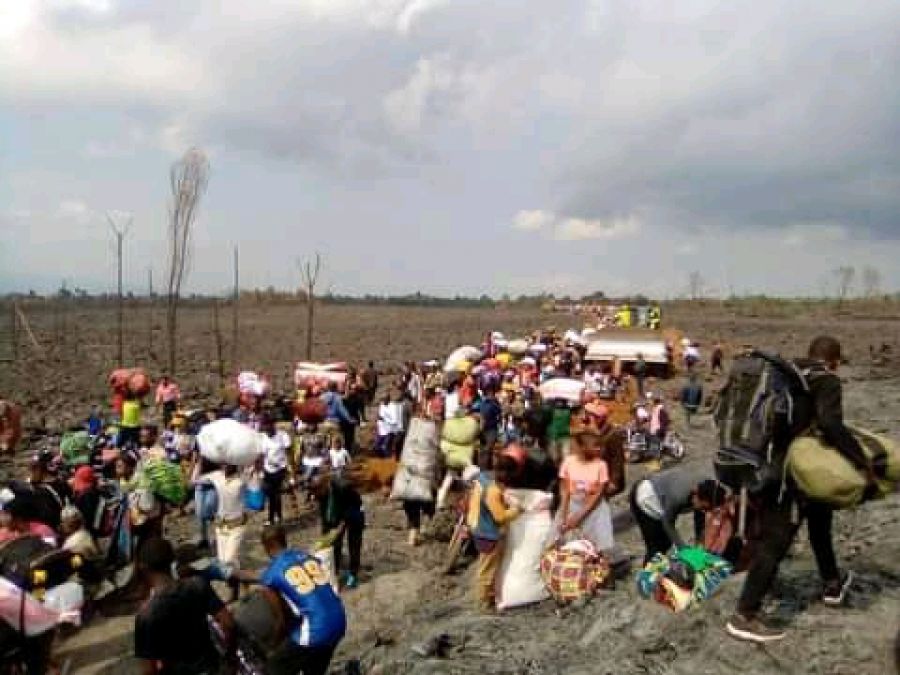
683,580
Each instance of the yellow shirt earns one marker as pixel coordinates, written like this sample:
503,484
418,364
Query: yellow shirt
131,414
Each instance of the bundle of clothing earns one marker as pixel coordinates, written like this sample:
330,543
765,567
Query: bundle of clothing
574,570
684,579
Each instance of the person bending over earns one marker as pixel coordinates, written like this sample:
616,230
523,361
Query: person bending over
316,618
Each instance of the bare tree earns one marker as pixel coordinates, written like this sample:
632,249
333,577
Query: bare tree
217,333
696,285
119,231
235,309
188,178
845,274
309,277
871,278
149,313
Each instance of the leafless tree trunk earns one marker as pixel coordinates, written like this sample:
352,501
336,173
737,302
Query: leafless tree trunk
149,314
24,320
119,231
871,282
14,329
235,311
309,277
220,358
695,285
188,178
844,275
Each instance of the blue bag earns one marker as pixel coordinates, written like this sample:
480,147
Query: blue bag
254,499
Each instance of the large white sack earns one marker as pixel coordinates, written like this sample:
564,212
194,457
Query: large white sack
409,486
517,347
562,388
519,581
418,462
421,446
326,557
466,353
230,442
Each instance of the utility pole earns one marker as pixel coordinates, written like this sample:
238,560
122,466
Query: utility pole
119,231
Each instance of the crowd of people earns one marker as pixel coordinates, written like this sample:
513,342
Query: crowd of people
500,430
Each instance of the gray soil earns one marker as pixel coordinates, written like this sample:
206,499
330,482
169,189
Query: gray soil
405,602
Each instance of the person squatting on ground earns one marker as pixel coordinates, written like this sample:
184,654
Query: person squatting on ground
781,511
316,617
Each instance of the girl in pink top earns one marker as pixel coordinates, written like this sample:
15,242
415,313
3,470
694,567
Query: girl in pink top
583,510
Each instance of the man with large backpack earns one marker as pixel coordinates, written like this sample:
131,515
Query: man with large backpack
766,403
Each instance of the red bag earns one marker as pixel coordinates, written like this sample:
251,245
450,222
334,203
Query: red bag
311,411
719,528
118,379
139,383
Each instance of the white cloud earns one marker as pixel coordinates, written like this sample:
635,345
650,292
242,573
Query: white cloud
576,229
811,234
532,221
564,228
94,6
40,58
72,208
436,86
413,10
686,249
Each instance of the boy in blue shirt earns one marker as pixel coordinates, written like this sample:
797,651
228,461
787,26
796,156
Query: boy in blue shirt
316,618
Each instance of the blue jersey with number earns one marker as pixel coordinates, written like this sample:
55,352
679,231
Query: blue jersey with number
318,613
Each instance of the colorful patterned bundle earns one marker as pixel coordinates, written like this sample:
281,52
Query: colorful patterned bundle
572,572
657,580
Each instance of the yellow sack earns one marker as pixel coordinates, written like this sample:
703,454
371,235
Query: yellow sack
456,455
824,475
462,430
504,359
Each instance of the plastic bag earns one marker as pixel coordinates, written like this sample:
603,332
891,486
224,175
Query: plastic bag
254,497
227,441
519,581
38,617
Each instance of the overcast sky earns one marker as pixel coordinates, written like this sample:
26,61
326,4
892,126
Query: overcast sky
456,146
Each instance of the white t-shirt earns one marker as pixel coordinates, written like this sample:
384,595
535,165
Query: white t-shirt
390,417
340,458
276,452
230,493
451,405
